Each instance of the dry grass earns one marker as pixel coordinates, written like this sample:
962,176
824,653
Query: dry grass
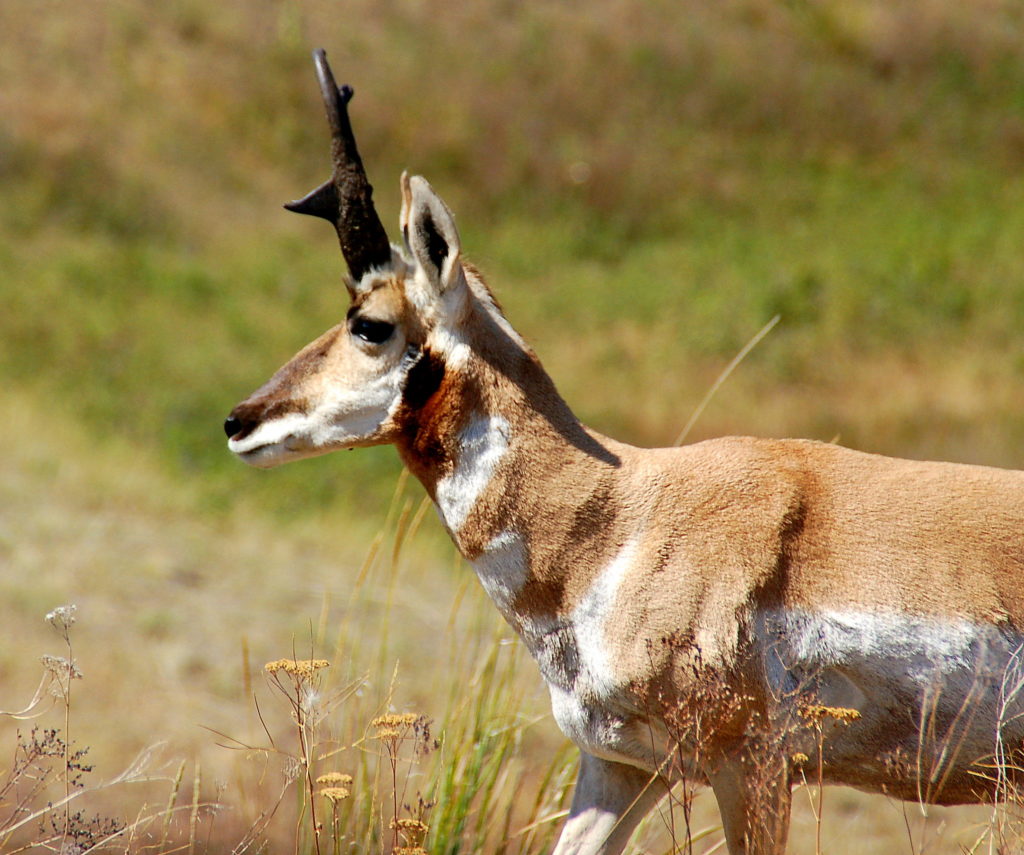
170,644
647,185
89,530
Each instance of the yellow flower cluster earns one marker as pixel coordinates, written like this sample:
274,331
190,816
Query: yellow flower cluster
394,726
816,713
410,826
335,779
335,794
304,669
395,721
799,758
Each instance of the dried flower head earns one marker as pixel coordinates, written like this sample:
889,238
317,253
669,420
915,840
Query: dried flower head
394,721
335,779
799,759
62,617
410,826
61,668
816,713
394,729
335,794
302,669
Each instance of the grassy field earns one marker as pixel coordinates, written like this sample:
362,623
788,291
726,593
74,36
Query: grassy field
177,614
644,186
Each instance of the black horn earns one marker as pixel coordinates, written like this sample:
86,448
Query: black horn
346,199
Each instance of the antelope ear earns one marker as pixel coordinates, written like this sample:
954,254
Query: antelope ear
428,229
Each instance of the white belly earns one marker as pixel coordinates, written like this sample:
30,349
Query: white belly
940,694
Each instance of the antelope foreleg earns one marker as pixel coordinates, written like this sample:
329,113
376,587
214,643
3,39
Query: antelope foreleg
754,800
610,799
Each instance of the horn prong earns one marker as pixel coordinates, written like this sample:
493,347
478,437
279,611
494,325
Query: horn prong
346,200
321,202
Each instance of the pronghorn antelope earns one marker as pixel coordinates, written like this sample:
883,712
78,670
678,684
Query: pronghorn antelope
718,612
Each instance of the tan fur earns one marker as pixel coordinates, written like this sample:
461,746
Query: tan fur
694,597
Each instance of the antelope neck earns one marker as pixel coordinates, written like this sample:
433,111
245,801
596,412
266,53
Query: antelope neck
527,493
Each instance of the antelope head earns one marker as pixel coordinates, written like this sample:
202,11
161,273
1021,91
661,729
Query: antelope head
350,386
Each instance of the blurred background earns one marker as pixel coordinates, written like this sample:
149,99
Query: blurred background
644,185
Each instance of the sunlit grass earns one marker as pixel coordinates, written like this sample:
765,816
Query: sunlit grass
645,187
390,647
177,614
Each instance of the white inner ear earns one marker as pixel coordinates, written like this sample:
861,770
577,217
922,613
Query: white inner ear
430,233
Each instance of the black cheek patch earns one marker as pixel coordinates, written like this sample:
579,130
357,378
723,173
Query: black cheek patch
423,380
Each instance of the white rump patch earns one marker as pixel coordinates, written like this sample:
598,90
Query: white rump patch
483,444
593,621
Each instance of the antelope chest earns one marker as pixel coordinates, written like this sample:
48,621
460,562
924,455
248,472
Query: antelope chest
576,652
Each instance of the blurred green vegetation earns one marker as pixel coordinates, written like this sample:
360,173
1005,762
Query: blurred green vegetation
645,185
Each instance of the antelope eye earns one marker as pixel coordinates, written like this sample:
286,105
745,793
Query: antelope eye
375,332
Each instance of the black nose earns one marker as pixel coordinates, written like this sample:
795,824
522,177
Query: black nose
232,425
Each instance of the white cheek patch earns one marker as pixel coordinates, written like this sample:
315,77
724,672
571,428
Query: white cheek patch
340,416
483,444
350,414
593,621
